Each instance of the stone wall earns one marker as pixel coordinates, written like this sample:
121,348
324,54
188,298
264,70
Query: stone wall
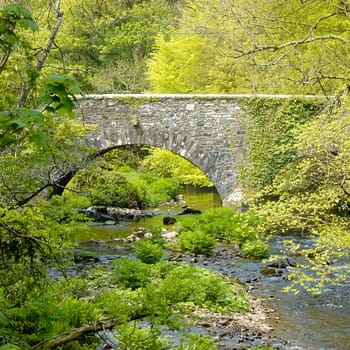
205,129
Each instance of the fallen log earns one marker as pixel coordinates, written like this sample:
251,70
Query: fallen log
74,334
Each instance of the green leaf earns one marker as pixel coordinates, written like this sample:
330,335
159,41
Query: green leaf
17,12
40,139
58,93
9,347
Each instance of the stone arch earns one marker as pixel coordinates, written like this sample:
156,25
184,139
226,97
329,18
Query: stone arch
206,130
180,144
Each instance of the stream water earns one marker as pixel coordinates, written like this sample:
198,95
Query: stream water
304,321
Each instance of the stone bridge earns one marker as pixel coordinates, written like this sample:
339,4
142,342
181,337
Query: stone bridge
207,130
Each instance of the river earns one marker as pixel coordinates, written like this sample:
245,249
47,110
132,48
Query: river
304,321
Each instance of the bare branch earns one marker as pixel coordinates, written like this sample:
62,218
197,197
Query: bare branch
3,61
59,18
31,196
294,43
19,234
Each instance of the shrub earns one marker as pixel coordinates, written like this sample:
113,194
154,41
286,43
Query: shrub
131,337
157,235
224,224
80,312
122,304
163,163
131,273
148,252
197,242
203,288
256,249
197,342
162,190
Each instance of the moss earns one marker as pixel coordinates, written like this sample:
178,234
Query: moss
135,101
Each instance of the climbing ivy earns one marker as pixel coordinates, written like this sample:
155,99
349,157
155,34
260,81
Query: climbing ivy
269,135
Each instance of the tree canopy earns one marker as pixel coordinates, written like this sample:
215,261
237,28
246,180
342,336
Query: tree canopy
277,46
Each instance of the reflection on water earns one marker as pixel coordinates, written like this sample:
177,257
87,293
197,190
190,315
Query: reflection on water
196,198
201,198
312,322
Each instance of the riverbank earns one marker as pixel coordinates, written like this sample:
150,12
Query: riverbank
234,331
303,321
282,320
238,330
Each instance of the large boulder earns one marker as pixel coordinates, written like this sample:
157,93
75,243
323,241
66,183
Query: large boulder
188,210
167,220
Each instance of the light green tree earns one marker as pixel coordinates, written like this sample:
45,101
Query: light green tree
181,65
164,163
311,195
263,46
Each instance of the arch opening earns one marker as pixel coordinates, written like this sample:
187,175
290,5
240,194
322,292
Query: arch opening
126,168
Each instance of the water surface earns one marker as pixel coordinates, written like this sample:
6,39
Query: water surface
305,321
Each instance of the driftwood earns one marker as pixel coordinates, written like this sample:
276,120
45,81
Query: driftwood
74,334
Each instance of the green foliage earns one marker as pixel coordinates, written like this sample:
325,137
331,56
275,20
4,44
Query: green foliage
29,238
160,190
57,93
131,273
12,16
106,44
15,14
157,235
203,288
163,163
79,312
17,123
38,146
131,337
23,124
108,184
300,48
197,342
9,347
270,131
319,266
311,195
107,188
159,290
196,242
30,323
256,249
148,252
181,64
224,224
122,304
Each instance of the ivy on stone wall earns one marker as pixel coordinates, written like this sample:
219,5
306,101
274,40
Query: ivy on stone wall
269,125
